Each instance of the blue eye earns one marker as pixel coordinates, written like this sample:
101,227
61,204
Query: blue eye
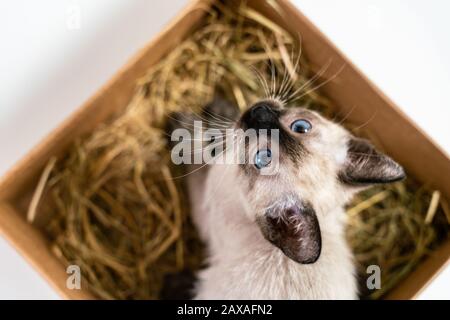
263,158
301,126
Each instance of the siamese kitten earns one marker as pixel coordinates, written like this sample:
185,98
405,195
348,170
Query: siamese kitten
281,235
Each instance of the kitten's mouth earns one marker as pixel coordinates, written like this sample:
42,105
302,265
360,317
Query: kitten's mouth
295,230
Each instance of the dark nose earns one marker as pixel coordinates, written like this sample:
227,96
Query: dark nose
260,116
260,112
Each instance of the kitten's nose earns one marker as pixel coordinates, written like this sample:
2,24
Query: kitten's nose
260,112
260,116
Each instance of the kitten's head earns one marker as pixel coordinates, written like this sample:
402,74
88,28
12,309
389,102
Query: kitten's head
312,167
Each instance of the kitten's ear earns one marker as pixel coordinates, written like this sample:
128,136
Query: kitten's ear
294,230
364,165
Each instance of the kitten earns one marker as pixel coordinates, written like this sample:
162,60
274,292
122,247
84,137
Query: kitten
281,235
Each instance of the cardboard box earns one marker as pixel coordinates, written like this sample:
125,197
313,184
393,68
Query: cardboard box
402,139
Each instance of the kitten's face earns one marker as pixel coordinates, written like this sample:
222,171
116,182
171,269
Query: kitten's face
316,166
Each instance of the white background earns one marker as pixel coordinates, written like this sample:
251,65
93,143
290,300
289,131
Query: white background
51,62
